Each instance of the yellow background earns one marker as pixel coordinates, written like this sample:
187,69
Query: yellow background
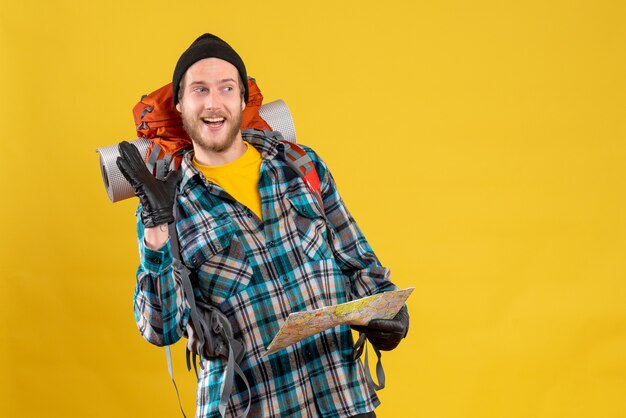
480,145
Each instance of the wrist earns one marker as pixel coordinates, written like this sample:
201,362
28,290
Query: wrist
155,237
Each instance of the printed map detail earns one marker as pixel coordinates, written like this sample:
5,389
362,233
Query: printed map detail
301,325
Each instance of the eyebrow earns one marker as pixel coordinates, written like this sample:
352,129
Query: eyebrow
223,81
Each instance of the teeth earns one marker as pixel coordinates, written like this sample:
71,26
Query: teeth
213,119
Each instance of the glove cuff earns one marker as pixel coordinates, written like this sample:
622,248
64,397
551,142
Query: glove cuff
157,217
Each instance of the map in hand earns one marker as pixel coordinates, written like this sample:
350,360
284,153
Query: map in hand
301,325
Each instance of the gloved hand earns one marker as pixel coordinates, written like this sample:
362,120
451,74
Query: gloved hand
385,334
156,196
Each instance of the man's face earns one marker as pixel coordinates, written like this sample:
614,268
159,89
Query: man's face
211,105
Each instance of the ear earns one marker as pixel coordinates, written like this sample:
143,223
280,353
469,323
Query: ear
178,107
243,104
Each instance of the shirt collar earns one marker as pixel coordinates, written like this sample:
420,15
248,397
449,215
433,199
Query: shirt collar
267,143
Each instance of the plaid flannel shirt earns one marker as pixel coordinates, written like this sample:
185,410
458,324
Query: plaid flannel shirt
259,271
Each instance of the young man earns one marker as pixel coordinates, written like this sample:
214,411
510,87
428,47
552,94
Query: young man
259,246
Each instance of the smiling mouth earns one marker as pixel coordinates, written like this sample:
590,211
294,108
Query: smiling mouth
214,123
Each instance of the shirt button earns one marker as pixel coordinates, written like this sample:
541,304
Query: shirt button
286,279
270,244
156,260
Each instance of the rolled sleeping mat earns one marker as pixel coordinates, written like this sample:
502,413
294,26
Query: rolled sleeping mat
117,187
278,116
275,113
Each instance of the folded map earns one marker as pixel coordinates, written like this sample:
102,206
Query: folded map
301,325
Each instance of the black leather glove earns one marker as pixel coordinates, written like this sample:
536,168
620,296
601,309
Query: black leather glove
385,334
156,196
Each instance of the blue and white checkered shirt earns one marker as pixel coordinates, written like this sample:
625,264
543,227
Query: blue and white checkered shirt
259,271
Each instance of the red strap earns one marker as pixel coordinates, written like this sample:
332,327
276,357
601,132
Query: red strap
299,160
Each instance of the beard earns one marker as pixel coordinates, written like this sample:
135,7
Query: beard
207,143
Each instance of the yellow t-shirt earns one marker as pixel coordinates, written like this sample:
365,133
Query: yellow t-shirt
240,178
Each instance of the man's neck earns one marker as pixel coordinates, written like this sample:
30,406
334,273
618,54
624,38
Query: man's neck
211,159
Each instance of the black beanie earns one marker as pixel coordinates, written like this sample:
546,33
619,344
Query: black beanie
208,46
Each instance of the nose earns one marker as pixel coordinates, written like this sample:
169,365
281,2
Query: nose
211,100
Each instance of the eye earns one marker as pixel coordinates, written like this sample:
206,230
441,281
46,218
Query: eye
199,89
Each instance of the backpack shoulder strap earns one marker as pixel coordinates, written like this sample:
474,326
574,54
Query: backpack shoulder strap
215,337
297,158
